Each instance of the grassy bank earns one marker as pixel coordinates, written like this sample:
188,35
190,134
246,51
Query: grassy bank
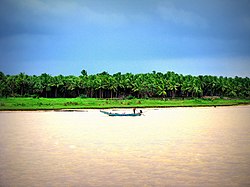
92,103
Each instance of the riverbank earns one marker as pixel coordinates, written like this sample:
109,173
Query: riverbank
93,103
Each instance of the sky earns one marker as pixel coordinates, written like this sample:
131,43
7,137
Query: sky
207,37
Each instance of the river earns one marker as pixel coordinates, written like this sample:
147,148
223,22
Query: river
165,147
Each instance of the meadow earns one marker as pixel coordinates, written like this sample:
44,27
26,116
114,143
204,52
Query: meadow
20,103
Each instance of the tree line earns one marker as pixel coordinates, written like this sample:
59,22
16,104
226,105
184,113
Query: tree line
118,85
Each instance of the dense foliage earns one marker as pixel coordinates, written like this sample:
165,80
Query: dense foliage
104,85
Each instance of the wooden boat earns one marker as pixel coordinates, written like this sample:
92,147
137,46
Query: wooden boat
120,114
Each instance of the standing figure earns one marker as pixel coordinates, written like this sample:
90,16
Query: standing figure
134,110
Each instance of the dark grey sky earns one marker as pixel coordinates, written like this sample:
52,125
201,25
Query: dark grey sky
63,37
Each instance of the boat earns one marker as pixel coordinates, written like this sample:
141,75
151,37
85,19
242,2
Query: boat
120,114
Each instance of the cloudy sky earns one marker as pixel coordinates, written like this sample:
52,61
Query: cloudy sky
65,36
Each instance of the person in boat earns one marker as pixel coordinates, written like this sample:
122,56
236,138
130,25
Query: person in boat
134,109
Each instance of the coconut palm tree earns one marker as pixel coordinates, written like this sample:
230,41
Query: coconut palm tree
55,83
22,81
172,86
161,88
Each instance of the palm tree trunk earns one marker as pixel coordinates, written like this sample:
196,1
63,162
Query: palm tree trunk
111,93
100,93
91,92
173,94
21,90
56,92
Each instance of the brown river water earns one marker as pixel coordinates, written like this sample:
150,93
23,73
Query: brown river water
164,147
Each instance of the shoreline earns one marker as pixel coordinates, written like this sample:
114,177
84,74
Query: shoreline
117,108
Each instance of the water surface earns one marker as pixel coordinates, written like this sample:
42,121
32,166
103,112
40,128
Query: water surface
165,147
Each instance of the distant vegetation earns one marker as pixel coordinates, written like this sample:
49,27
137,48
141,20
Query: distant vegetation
104,85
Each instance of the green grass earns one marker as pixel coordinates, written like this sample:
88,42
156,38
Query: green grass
92,103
